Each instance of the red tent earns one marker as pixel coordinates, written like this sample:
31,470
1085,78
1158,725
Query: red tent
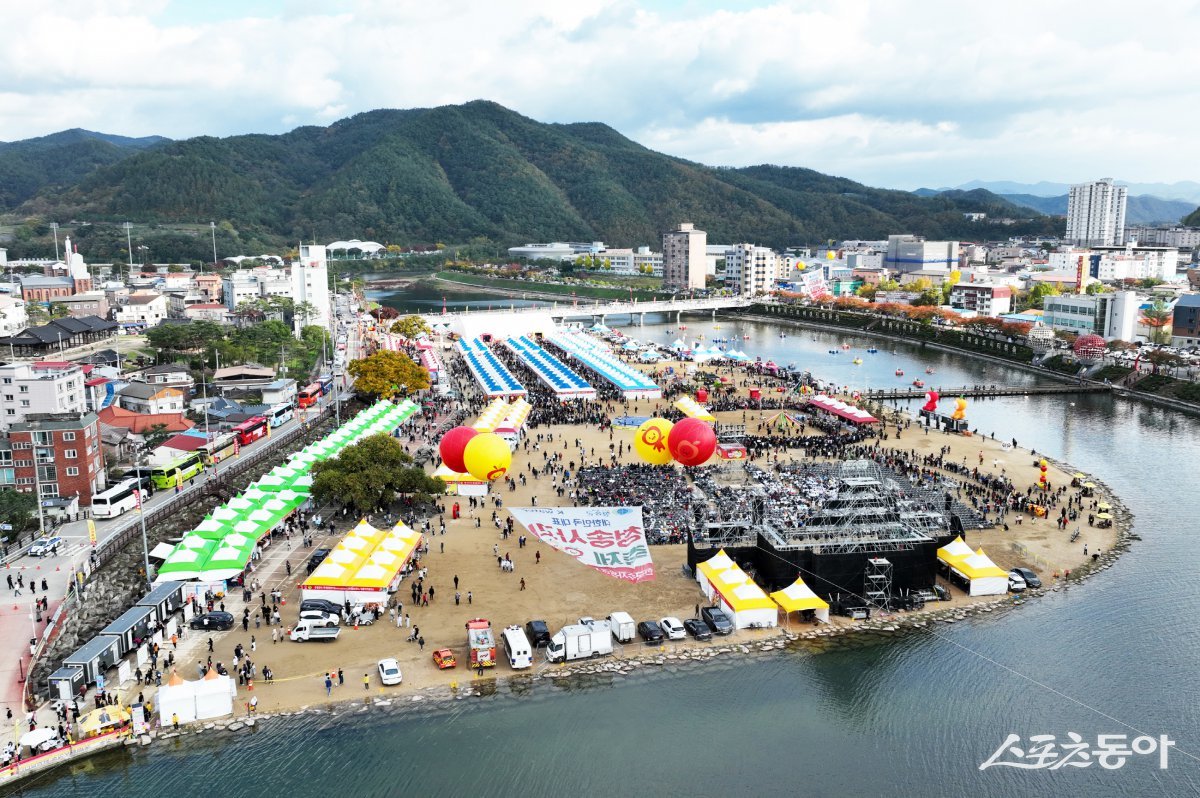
842,410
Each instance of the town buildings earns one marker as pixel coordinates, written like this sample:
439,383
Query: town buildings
750,270
39,387
908,253
54,455
1113,316
1096,213
982,298
1111,264
684,258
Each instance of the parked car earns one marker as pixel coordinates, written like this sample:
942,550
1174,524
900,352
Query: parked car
672,628
717,620
697,629
321,605
1031,579
538,633
317,558
215,621
651,632
320,617
43,547
389,671
1015,583
444,658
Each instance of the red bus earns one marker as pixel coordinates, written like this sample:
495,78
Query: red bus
249,431
309,395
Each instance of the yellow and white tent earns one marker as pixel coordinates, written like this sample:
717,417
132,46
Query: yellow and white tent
491,416
693,409
363,565
798,597
983,576
722,581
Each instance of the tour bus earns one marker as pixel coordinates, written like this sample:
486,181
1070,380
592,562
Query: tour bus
309,395
120,498
250,430
219,448
177,471
326,384
280,414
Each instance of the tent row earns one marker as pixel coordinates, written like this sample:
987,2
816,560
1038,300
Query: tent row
842,410
222,545
693,409
722,581
364,566
983,577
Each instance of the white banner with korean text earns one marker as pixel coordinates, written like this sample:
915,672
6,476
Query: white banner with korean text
610,539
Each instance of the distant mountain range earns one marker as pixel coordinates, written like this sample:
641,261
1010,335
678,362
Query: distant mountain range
459,172
1185,190
1139,208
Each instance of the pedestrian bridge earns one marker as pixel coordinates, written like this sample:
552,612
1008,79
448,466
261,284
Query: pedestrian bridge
601,309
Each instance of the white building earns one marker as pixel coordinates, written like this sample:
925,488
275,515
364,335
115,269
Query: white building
145,310
685,259
983,298
1096,213
1178,237
1112,316
557,250
1129,262
750,271
13,316
908,253
630,261
310,284
46,387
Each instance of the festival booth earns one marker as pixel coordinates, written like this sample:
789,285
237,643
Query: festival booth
841,409
693,409
460,484
722,581
210,697
491,416
364,567
101,720
512,426
731,451
798,597
983,577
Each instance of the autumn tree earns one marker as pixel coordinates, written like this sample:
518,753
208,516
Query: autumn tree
386,374
370,474
1158,318
410,326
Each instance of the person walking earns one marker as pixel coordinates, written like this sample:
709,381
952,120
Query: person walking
341,678
523,581
328,684
468,596
421,643
175,720
457,598
455,581
366,681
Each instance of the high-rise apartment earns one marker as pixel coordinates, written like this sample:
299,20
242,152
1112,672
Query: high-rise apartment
1096,214
749,270
684,258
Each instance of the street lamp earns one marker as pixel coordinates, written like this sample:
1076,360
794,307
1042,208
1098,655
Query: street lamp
142,518
54,227
213,227
129,244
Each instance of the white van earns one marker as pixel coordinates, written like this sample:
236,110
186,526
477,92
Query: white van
516,646
623,627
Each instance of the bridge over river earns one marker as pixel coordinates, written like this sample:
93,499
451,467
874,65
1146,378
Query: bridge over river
984,391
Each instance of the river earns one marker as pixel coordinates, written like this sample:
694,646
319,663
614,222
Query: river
908,716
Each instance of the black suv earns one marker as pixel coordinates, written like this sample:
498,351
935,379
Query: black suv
538,633
697,629
717,620
651,632
215,621
316,559
321,605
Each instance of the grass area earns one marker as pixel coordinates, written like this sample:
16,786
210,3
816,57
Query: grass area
1169,387
594,292
1059,363
1112,373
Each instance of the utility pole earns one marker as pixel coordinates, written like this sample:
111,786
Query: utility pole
142,518
213,227
54,227
129,245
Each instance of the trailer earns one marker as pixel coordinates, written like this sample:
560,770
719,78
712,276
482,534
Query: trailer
95,657
132,627
166,599
66,682
580,641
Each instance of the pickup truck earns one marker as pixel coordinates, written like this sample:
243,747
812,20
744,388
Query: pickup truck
306,630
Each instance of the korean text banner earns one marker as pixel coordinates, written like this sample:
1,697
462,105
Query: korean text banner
609,539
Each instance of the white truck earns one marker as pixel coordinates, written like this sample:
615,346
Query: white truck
623,627
309,630
580,641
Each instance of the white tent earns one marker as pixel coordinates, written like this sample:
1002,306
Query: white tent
210,697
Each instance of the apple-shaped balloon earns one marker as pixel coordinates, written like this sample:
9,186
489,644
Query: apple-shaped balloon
452,446
692,441
487,456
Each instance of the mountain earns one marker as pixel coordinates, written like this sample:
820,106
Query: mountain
1184,190
60,159
458,172
1139,209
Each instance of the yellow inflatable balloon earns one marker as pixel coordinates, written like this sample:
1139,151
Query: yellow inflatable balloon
960,409
650,441
487,457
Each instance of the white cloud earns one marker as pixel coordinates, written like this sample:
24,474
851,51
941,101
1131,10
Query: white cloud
891,92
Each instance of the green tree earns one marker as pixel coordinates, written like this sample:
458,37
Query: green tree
18,510
1158,318
410,326
386,374
369,475
155,435
1040,291
58,310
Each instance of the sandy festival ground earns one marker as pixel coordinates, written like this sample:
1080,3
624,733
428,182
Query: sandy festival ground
558,590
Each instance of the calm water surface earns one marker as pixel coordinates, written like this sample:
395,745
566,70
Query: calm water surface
911,716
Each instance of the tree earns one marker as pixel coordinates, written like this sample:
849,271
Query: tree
410,326
1095,288
1158,318
59,311
386,374
155,435
1040,292
368,476
305,311
18,510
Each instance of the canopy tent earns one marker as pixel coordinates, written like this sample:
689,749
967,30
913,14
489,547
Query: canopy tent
693,409
798,597
185,562
226,562
954,551
491,416
842,410
721,580
210,697
514,420
364,566
784,420
462,484
983,576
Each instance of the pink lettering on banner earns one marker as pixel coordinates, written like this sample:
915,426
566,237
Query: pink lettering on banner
612,540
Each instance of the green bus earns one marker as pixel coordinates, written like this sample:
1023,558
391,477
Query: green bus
177,471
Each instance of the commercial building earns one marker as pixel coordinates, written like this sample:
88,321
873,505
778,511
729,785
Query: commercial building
55,455
1112,316
40,387
1185,321
684,258
306,283
750,270
1096,213
982,298
1178,237
630,261
907,253
557,250
1128,262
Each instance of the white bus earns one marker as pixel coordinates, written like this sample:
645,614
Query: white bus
120,498
279,415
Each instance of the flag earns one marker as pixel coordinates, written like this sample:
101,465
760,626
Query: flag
137,499
237,447
92,531
610,539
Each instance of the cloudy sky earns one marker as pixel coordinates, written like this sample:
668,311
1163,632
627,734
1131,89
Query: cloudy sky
901,93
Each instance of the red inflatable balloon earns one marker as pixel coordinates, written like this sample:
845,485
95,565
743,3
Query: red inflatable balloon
692,441
931,401
452,445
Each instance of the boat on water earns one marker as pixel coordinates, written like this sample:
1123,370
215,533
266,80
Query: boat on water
918,383
899,372
745,337
783,335
845,346
857,361
929,371
833,351
871,350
